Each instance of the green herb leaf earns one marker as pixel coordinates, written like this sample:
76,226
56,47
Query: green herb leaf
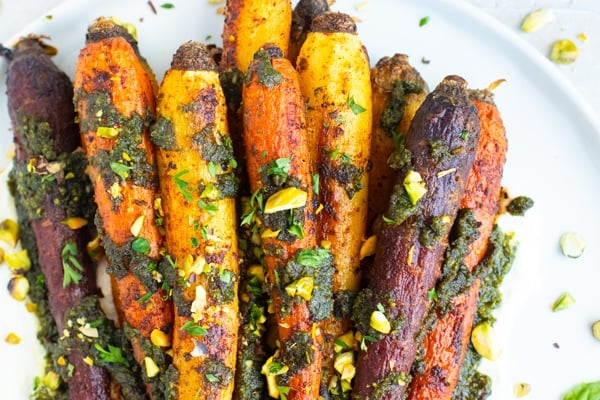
584,391
193,329
145,298
432,295
72,269
141,245
423,21
167,6
212,378
283,392
313,257
355,107
210,208
280,167
182,185
297,230
226,276
194,242
212,168
315,183
345,158
120,169
112,355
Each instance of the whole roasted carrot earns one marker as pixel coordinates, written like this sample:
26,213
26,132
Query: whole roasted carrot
446,343
398,91
429,183
115,101
303,14
52,191
334,72
298,273
195,160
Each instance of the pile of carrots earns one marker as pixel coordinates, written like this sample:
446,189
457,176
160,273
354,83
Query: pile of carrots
275,214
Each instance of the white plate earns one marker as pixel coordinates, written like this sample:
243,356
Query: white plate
553,158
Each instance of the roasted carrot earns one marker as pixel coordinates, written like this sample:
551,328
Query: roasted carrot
446,343
195,160
398,91
52,190
249,24
431,174
115,101
298,273
303,14
334,76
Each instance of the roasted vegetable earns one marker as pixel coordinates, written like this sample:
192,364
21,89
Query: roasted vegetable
431,174
195,161
251,24
302,16
298,273
398,91
446,343
334,76
115,102
52,190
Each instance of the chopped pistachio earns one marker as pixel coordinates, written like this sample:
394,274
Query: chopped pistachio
9,232
342,360
484,341
107,132
151,368
75,222
88,360
199,303
379,322
414,186
537,19
257,271
18,287
94,249
596,330
582,37
12,338
302,287
159,338
572,244
522,389
345,341
18,261
89,331
268,233
51,380
368,247
564,51
285,199
562,302
137,226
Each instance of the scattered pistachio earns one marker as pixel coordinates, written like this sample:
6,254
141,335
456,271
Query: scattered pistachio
572,244
537,19
268,233
379,322
345,341
18,287
75,222
107,132
563,301
12,338
159,338
94,249
51,380
368,247
414,186
9,232
484,341
596,330
285,199
564,51
18,261
88,360
302,287
582,37
137,225
522,389
344,365
151,368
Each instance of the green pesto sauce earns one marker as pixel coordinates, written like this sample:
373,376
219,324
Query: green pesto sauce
320,304
519,205
126,373
221,285
400,158
266,74
138,170
216,374
68,188
394,110
213,145
162,134
497,263
348,175
342,303
37,136
389,384
297,352
431,233
400,206
365,304
440,150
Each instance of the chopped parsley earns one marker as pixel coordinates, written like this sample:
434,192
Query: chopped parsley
192,329
182,185
72,268
355,107
112,355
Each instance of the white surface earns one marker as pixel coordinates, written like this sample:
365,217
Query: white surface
553,158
